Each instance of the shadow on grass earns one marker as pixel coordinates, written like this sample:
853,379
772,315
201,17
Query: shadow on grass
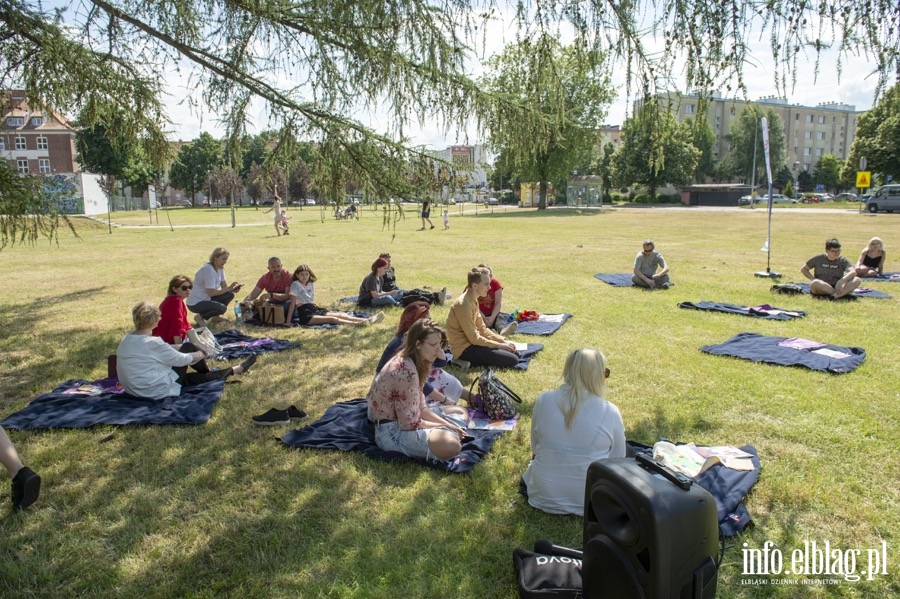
528,213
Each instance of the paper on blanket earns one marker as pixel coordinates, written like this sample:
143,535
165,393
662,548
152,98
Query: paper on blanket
520,347
824,351
552,318
800,343
480,421
689,460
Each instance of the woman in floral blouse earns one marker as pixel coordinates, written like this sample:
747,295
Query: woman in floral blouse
403,422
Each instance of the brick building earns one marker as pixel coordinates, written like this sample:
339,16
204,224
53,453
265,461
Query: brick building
35,142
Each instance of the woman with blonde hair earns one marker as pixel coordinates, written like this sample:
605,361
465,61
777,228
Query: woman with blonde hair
211,293
871,259
403,422
571,427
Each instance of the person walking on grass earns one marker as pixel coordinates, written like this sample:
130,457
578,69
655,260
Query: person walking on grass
426,214
446,220
276,208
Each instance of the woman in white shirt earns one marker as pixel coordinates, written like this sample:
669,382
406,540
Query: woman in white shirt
211,293
149,367
308,313
571,427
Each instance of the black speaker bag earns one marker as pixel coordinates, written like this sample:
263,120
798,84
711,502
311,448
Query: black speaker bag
648,533
541,576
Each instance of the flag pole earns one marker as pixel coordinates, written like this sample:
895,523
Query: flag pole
768,274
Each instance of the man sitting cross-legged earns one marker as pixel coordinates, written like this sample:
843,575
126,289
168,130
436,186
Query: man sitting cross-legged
832,274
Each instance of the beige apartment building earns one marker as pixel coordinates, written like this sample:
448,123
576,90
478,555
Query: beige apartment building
810,131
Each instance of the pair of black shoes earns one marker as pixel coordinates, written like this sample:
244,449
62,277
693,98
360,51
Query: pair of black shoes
275,416
26,486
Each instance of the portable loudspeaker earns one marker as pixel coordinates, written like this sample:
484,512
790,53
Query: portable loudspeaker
649,533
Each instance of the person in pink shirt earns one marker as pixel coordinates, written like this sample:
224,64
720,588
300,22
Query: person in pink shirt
396,400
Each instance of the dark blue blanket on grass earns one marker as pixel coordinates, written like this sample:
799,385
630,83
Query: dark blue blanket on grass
526,355
765,311
617,280
237,345
887,276
760,348
345,427
535,327
858,292
59,409
258,323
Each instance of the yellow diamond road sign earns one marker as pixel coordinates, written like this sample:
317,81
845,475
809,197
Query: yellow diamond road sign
864,178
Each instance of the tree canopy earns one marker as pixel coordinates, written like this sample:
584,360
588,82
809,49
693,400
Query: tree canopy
194,164
877,138
743,157
569,94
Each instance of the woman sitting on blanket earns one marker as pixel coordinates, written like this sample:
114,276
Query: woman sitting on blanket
371,290
308,313
209,299
571,427
149,367
397,404
470,338
441,388
871,260
173,320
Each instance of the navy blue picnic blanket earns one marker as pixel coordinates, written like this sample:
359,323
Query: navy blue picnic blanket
764,311
237,345
546,325
258,323
617,280
729,487
858,292
888,276
526,355
66,407
790,352
346,427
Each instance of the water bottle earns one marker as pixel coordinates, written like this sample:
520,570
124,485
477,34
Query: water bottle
238,314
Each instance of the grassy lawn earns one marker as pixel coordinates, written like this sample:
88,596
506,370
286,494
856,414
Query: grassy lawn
225,509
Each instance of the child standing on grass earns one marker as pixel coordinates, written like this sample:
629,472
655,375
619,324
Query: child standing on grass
446,220
284,222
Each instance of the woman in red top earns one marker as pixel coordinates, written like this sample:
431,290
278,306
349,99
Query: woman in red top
173,322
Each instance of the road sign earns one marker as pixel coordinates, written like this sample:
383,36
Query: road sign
863,179
888,178
862,163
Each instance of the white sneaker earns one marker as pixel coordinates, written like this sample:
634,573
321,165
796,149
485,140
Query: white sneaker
509,329
376,318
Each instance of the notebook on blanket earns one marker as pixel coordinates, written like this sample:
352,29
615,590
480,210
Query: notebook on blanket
616,280
764,311
77,403
546,324
237,345
526,352
790,351
345,427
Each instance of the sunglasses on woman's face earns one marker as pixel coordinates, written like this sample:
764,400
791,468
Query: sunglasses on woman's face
187,287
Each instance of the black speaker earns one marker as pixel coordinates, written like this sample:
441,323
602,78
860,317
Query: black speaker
649,533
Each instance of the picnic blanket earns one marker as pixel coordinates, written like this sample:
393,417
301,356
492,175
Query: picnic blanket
237,345
792,351
526,354
764,311
546,324
858,292
258,323
617,280
345,426
888,276
78,403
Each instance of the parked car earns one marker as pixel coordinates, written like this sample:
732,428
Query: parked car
886,199
267,202
310,202
491,201
745,200
811,199
846,197
182,203
777,198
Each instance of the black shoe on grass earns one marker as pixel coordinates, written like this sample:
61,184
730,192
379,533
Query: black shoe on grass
26,486
295,413
272,418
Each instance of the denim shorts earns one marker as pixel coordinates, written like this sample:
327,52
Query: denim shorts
389,437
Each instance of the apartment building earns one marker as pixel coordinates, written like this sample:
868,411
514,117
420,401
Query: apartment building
810,131
35,142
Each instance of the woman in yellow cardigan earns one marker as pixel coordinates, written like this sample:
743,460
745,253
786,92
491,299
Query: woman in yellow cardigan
470,339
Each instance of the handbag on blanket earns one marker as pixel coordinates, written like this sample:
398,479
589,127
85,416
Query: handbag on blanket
496,398
204,340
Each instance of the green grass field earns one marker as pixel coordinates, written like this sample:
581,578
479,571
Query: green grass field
225,509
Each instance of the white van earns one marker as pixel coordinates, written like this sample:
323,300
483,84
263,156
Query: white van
886,199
